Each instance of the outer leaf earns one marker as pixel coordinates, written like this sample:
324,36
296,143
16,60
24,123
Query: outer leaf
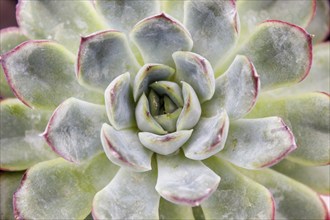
307,115
119,102
56,21
129,195
9,181
124,14
73,133
164,144
159,36
9,38
148,74
191,111
236,90
124,149
214,27
168,210
197,72
144,119
58,189
175,8
288,56
320,26
237,197
252,12
176,171
208,138
257,143
41,74
20,143
293,200
318,178
102,57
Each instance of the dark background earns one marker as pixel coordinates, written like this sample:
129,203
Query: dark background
7,13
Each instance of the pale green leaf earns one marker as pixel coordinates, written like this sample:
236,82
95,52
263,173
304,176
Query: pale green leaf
171,211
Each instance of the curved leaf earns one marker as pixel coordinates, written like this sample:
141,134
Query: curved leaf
175,8
41,74
73,131
171,89
21,145
159,36
320,26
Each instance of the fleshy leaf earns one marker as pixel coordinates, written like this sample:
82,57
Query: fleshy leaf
184,181
236,90
252,12
148,74
214,27
169,106
159,36
168,120
102,57
308,117
168,210
119,102
73,133
319,77
41,74
130,195
257,143
9,181
9,38
237,197
124,14
175,8
124,149
55,21
154,103
208,138
55,189
20,143
164,144
288,56
320,24
170,89
145,121
318,178
197,72
191,111
293,200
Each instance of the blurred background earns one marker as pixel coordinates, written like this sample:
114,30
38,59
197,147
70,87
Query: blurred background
7,13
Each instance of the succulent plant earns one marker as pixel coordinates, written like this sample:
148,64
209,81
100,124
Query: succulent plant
137,109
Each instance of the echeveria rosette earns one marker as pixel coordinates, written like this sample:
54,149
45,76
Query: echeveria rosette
173,114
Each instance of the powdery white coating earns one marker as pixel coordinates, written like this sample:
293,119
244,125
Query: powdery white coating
20,143
214,27
197,72
144,120
184,181
253,12
129,195
158,37
237,197
164,144
236,90
257,143
289,195
124,14
148,74
102,57
209,136
125,149
191,111
289,53
54,189
56,20
171,89
41,74
119,103
73,133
